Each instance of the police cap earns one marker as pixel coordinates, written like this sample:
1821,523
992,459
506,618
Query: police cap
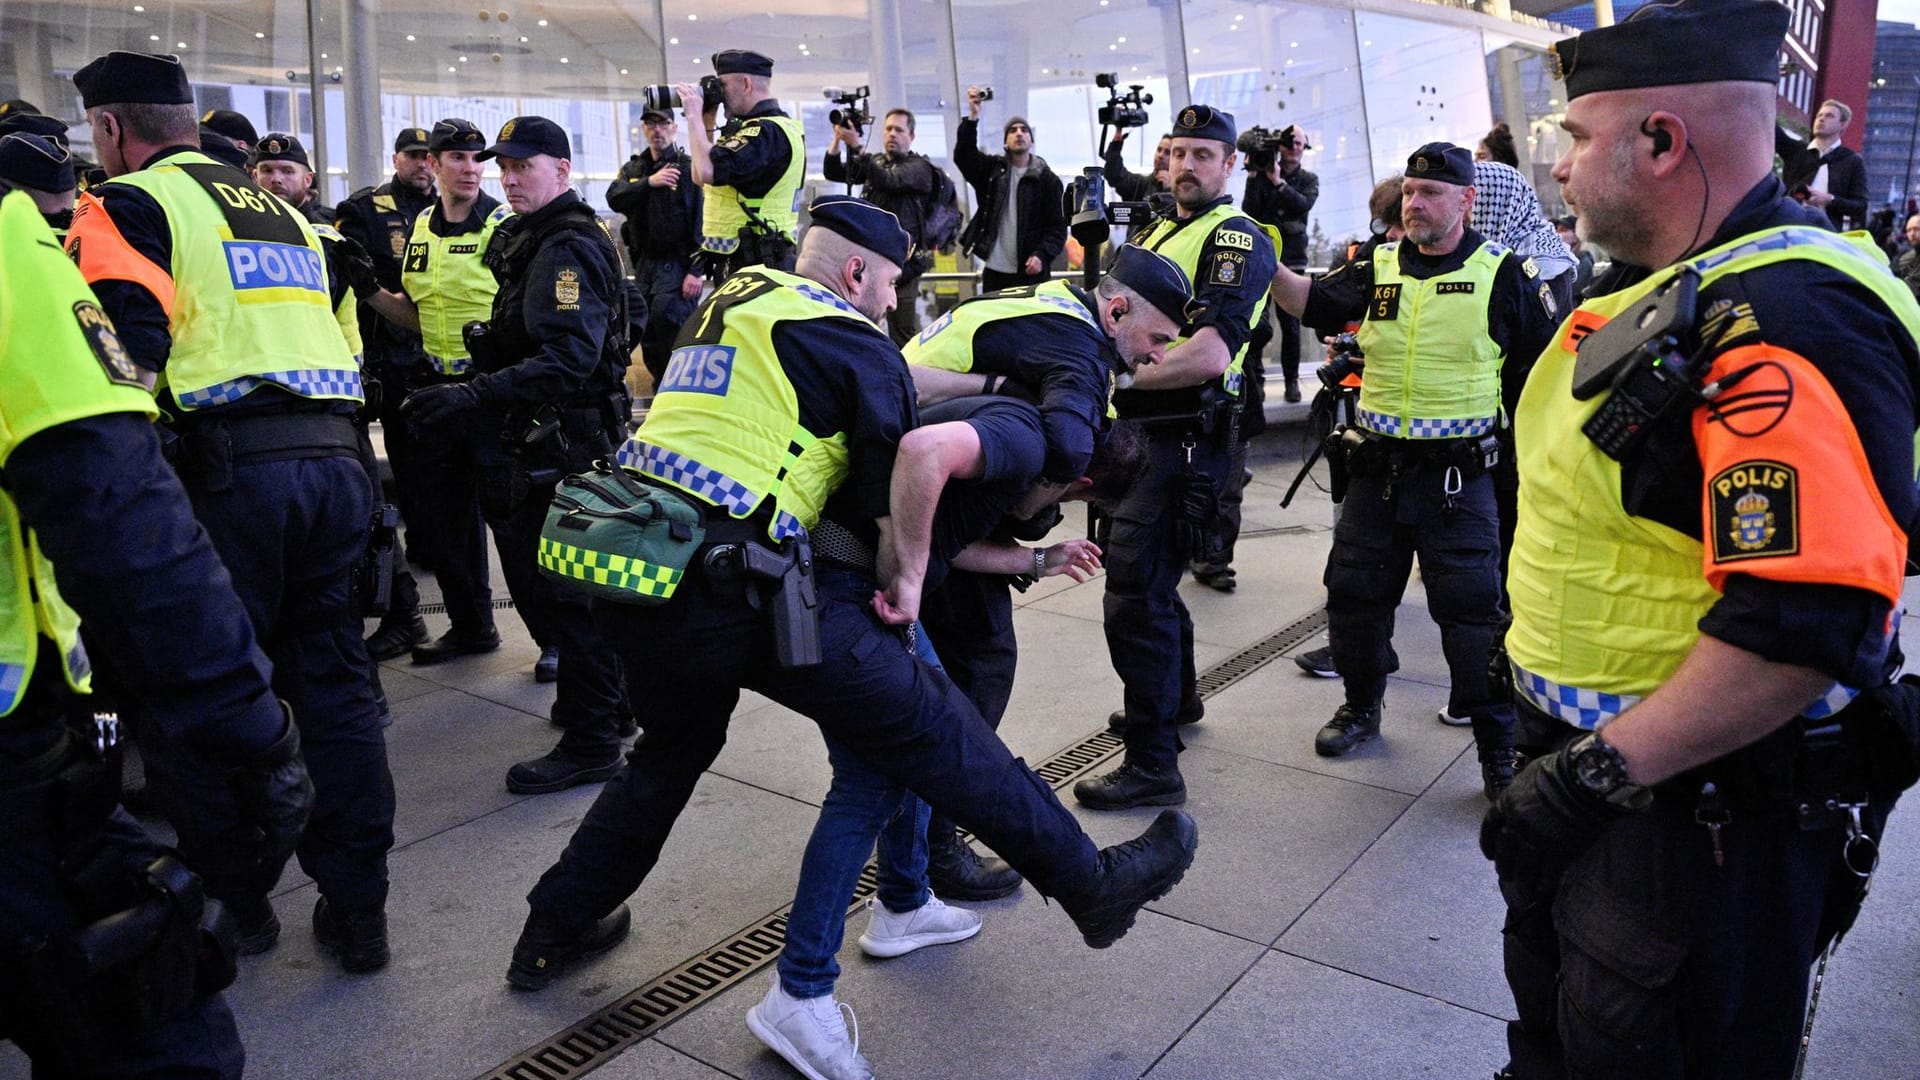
655,116
1689,41
231,124
865,224
26,123
37,162
279,146
1442,161
1159,281
131,78
742,62
220,148
18,105
454,133
529,136
1204,122
410,139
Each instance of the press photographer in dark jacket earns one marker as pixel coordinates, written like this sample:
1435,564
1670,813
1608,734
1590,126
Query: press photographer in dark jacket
1126,183
1021,250
902,183
1280,193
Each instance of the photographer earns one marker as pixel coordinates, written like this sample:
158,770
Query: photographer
1021,225
1129,185
752,175
903,183
1281,193
657,193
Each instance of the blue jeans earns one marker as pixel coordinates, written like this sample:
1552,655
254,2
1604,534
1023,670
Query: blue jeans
861,806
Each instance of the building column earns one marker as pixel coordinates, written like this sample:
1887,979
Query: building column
360,40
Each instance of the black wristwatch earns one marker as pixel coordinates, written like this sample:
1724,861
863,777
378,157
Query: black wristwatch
1601,772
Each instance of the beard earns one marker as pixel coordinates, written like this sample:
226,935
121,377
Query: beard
1612,213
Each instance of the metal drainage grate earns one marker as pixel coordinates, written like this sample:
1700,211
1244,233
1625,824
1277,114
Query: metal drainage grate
602,1036
438,608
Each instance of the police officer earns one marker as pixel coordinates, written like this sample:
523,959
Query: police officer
661,200
1187,405
751,176
807,367
279,163
380,219
231,126
216,286
34,158
444,285
1672,865
551,378
1443,311
86,499
1066,348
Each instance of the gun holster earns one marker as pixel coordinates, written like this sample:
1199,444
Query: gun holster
541,450
373,573
780,583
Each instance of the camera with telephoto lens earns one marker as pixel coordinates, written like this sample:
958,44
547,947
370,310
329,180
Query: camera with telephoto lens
853,112
1344,358
1262,145
1127,110
666,99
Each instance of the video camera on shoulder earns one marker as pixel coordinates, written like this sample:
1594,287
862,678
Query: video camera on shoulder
1127,110
1089,214
1263,145
665,98
853,112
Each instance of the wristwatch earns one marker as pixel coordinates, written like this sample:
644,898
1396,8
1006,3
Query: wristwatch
1601,772
1032,577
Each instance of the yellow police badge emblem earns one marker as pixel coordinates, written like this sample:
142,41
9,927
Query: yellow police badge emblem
566,289
1189,119
397,239
274,146
506,131
98,330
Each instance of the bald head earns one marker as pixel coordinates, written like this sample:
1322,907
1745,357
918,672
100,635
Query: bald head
856,274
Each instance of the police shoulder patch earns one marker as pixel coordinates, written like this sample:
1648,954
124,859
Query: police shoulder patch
566,289
1228,268
1547,302
1755,511
1226,236
98,330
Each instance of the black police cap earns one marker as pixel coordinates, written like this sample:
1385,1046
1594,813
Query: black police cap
741,62
37,162
1159,281
1205,122
231,124
865,224
655,116
18,105
409,139
279,146
220,148
1442,161
26,123
529,136
454,133
131,78
1689,41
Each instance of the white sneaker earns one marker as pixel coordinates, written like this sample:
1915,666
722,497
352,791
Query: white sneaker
897,933
810,1034
1451,720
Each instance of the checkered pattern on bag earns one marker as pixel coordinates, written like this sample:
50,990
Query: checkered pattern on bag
621,572
311,383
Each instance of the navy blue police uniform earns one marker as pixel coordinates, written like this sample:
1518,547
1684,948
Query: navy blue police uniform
662,231
750,157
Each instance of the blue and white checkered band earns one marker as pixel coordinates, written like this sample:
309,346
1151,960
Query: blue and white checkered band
1424,428
310,383
78,665
1233,381
1786,238
785,525
13,678
828,297
710,484
450,365
720,245
1071,307
1591,709
1836,698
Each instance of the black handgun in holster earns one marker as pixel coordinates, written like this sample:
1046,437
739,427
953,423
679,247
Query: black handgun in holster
794,605
483,345
541,450
373,574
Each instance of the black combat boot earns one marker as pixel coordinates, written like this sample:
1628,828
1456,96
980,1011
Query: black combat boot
449,645
1497,767
560,770
1351,725
1133,875
394,636
358,938
957,872
546,947
1129,786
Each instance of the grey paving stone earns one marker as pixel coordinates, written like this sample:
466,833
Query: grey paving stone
401,684
1420,910
1867,1025
1273,713
449,753
442,1008
1292,1019
1271,839
1023,999
773,747
654,1060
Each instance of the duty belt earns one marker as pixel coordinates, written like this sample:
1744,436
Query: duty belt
710,484
833,542
306,382
1422,427
1591,709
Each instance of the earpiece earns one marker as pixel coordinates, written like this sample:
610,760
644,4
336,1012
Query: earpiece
1662,138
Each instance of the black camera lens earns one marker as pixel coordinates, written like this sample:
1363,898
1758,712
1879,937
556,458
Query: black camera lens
986,93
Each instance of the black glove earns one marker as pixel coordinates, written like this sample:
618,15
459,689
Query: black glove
430,405
356,267
1545,820
274,796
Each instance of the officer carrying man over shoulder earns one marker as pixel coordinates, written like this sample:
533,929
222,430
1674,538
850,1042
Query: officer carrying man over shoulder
1188,405
1715,516
1445,313
87,501
551,366
750,175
